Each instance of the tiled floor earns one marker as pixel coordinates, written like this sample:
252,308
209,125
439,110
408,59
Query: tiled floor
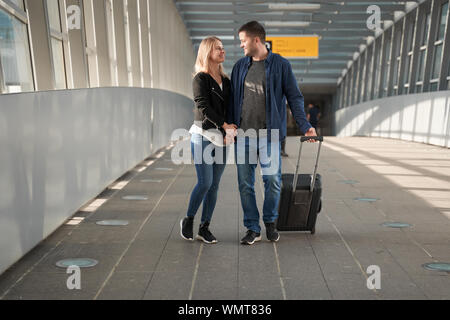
147,259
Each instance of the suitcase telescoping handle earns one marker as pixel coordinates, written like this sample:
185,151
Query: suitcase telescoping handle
313,182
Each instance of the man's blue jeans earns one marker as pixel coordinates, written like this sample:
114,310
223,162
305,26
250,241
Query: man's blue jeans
209,172
250,151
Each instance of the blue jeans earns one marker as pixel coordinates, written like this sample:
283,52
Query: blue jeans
248,153
209,166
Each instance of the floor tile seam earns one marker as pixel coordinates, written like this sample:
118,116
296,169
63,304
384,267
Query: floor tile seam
165,245
194,277
410,276
134,174
315,255
385,215
238,224
416,243
320,268
69,233
283,289
277,260
360,193
355,259
137,233
355,149
407,273
29,270
236,203
379,210
395,260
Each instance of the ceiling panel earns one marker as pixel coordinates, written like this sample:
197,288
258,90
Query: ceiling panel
340,25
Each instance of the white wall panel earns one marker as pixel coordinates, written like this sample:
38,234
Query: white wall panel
416,117
59,149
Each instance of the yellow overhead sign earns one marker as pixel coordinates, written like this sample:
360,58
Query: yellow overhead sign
300,47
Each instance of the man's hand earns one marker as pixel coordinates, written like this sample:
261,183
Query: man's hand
311,133
231,133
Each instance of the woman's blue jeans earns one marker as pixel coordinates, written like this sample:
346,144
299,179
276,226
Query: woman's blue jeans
209,164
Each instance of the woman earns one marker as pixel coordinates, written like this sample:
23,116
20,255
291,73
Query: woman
211,96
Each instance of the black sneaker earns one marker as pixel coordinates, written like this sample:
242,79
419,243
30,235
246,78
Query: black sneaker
251,237
271,233
187,228
205,235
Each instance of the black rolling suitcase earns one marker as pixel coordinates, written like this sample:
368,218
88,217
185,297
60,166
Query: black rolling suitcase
298,210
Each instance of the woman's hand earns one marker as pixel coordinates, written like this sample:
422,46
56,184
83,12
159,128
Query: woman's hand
227,126
231,133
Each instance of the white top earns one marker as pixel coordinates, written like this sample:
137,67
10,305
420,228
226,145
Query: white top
213,135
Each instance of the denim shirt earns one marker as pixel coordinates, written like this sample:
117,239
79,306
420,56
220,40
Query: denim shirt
281,85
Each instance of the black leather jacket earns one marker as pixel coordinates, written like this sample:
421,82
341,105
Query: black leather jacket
211,102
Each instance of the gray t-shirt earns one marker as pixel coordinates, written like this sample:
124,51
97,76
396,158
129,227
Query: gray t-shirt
253,114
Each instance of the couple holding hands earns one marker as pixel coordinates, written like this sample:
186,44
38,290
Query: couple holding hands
253,100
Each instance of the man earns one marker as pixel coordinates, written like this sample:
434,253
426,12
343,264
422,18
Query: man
313,115
261,82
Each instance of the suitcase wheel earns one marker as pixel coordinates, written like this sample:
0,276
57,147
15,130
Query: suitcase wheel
313,231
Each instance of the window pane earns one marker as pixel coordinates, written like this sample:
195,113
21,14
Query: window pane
15,55
418,88
437,62
362,77
58,64
433,86
421,65
396,65
387,51
53,14
18,3
377,67
398,43
384,86
448,70
427,27
369,74
386,66
411,36
355,82
441,31
407,69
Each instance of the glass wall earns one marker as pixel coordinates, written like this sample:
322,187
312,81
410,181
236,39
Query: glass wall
369,73
15,60
75,44
411,56
377,68
448,77
386,62
361,82
408,55
18,3
396,58
56,43
438,47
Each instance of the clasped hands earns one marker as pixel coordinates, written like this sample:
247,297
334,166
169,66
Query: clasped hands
231,133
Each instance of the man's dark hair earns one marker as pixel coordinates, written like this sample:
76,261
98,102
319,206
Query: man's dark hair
254,29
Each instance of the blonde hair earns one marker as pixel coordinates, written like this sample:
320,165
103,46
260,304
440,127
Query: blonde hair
202,63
